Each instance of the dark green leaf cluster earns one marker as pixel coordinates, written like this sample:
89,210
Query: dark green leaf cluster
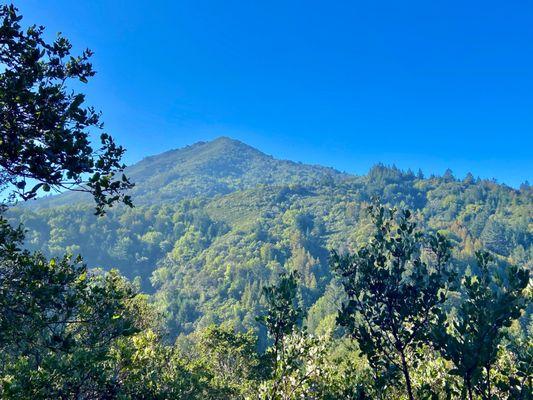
492,300
44,128
57,321
395,285
399,310
282,310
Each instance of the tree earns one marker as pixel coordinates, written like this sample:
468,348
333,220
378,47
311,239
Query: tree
496,238
448,175
470,339
283,312
394,285
301,370
44,127
148,369
519,383
58,323
469,179
231,357
281,317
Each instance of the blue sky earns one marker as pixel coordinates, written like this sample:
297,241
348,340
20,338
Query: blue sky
429,84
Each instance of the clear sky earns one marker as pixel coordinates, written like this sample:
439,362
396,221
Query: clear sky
430,84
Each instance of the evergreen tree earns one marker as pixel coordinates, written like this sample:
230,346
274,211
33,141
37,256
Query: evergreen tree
282,310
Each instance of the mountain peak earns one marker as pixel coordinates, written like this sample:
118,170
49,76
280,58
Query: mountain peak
225,144
203,151
207,169
219,166
226,140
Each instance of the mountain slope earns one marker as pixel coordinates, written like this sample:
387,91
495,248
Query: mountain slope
215,221
208,169
217,167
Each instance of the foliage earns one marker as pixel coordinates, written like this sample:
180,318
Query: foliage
57,324
299,369
393,292
471,339
58,321
282,311
70,333
148,369
206,257
44,128
230,357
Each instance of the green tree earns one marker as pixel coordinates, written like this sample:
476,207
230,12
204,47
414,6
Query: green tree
470,338
300,371
496,238
394,285
282,309
519,383
58,323
148,369
231,357
44,126
281,318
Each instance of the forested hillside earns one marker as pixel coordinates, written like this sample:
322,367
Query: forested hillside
216,272
214,222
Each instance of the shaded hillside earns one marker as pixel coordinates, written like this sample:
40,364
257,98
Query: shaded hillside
216,221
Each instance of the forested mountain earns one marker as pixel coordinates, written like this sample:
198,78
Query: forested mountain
249,277
207,169
214,222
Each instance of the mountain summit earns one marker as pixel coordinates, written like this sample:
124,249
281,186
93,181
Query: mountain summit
207,169
220,166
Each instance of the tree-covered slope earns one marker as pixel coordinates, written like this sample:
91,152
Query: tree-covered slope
216,221
218,167
207,169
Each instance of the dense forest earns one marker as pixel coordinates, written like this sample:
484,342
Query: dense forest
218,272
205,258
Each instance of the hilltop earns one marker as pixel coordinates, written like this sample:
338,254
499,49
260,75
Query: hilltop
207,169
